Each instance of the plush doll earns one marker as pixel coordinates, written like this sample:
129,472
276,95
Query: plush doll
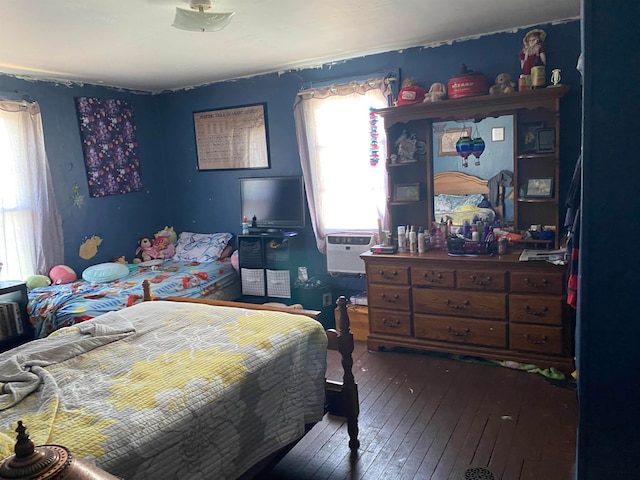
436,93
145,251
165,241
62,274
163,248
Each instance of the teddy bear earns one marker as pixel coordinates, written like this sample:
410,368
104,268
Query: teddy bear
503,85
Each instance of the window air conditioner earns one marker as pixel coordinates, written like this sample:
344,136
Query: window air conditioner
344,249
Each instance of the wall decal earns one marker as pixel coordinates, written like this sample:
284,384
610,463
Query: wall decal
89,248
109,145
78,198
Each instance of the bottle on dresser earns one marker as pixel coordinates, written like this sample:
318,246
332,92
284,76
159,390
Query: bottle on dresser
402,239
413,240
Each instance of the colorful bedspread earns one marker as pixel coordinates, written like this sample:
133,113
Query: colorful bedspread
63,305
168,390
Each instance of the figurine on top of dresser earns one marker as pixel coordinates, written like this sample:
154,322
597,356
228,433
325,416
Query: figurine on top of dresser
533,50
436,92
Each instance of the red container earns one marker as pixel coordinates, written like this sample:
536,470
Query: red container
469,84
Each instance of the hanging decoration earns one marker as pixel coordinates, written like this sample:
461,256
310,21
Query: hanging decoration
477,147
373,132
464,147
110,147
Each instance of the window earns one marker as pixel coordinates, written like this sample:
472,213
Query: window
344,191
30,227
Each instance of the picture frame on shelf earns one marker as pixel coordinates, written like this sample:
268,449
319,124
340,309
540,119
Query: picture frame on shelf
409,192
447,142
528,137
545,140
539,188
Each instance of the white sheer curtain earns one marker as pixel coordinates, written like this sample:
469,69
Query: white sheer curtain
344,192
31,240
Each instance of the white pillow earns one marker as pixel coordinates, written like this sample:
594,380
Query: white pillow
105,272
201,247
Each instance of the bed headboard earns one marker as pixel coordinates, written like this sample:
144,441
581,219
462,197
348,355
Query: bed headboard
458,183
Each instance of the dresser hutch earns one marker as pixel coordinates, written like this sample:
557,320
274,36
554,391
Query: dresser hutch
485,306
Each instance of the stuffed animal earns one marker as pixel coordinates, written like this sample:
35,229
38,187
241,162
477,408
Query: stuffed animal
165,241
503,85
437,92
145,251
62,274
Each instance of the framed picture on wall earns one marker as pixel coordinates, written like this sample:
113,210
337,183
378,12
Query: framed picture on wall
447,142
232,138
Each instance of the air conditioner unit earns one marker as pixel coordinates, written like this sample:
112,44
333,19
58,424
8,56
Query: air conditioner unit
344,249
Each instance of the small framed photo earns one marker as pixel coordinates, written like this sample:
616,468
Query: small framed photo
447,142
497,134
528,137
406,193
545,140
539,188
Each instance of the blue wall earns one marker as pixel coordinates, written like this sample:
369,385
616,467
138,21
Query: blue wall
204,201
608,327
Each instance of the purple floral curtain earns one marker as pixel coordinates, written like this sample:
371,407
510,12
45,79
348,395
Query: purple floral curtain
109,144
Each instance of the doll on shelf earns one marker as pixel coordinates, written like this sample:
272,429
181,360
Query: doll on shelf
533,50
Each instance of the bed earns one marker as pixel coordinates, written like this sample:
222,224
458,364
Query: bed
460,197
56,306
183,388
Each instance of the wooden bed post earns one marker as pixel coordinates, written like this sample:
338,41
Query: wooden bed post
342,397
146,291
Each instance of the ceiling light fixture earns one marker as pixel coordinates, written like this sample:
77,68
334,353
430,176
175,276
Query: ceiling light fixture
197,20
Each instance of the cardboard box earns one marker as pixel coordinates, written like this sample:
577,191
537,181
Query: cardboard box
359,320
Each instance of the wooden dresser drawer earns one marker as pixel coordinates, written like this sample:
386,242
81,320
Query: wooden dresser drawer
390,322
389,296
536,338
545,309
482,280
387,274
461,330
460,303
432,277
533,282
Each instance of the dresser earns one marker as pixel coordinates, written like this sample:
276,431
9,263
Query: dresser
491,307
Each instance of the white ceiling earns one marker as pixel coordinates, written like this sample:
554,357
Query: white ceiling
131,44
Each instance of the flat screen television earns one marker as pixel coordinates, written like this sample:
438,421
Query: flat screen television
276,202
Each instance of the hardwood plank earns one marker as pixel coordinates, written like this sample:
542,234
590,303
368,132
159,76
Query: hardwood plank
426,416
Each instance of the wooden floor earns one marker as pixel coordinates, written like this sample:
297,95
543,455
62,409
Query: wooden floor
424,416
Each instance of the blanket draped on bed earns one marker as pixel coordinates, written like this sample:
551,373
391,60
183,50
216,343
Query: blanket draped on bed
184,391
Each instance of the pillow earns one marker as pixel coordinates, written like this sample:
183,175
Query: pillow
201,247
449,203
105,272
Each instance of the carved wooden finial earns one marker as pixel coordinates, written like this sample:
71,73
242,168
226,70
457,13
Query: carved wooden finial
24,445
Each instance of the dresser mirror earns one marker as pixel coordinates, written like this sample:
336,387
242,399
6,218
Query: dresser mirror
488,175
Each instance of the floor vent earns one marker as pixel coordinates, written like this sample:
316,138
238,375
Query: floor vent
478,473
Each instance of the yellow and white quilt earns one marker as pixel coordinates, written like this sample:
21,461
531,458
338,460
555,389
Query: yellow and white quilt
168,390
